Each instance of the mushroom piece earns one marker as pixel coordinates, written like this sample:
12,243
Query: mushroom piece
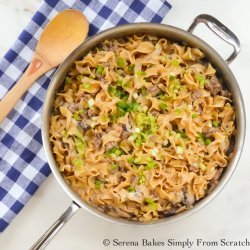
154,90
213,85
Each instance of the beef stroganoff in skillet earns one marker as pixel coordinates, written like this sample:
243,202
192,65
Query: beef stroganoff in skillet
142,127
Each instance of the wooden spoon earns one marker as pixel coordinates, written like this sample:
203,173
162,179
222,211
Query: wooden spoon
60,37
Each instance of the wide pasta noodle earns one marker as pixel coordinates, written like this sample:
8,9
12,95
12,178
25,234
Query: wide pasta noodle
142,127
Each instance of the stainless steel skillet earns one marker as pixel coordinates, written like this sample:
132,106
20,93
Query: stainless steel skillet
174,34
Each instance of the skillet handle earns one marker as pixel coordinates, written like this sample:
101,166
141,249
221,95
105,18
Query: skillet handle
220,30
55,228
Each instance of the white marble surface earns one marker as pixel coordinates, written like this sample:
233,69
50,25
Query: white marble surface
228,214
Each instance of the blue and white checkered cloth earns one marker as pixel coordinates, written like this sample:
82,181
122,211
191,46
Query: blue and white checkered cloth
23,165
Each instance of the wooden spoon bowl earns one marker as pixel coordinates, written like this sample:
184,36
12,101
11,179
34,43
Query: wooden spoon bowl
60,37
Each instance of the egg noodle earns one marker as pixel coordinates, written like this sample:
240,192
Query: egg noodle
142,127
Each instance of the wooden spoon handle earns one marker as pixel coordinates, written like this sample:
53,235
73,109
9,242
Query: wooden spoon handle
36,68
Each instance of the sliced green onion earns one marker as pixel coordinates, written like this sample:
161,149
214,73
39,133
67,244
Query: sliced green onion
195,115
142,178
86,85
105,117
116,151
151,164
131,189
119,92
215,124
146,122
141,73
138,160
201,137
98,184
201,79
162,97
122,112
119,82
142,91
167,133
124,107
100,70
182,133
124,96
76,116
202,166
141,119
81,111
172,77
114,166
151,203
177,136
131,160
64,133
111,151
114,117
80,145
174,86
165,97
178,111
134,106
127,84
175,63
77,162
79,77
131,68
207,141
163,106
68,80
112,90
120,62
138,141
78,134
